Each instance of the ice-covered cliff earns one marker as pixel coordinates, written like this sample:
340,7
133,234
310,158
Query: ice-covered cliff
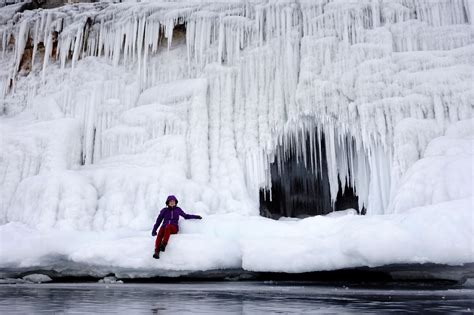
108,108
236,107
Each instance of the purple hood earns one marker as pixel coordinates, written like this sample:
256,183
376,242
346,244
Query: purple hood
171,197
170,215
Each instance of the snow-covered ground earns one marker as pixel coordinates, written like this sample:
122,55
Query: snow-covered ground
437,234
108,108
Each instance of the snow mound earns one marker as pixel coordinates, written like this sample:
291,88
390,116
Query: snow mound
440,233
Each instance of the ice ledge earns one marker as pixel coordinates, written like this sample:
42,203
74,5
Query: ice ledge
436,273
439,234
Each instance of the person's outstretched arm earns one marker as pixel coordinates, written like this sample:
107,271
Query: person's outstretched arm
157,223
189,216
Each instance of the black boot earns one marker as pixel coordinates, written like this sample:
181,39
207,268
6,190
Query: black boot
156,255
162,247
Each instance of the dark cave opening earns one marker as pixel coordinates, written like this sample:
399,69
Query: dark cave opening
299,190
179,36
347,198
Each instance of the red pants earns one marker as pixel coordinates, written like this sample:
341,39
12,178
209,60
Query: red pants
164,234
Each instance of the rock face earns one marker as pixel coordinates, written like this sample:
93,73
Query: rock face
43,4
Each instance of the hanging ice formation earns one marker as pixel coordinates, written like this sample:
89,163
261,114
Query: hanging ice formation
231,84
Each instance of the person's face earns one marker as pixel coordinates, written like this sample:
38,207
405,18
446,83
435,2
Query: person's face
172,203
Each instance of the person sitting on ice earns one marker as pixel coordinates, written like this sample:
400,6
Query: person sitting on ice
169,216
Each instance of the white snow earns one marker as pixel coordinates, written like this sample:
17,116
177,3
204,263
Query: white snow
441,233
105,109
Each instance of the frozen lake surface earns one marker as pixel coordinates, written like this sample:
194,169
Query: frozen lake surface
230,298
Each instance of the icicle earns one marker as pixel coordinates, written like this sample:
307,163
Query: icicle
101,38
169,27
35,42
47,53
77,46
4,42
21,42
140,44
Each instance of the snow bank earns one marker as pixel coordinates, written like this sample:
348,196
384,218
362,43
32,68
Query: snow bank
115,250
440,233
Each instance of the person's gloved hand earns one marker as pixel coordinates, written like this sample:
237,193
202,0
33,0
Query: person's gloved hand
199,217
153,233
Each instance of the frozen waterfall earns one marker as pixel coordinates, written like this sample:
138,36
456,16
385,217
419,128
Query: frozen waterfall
107,108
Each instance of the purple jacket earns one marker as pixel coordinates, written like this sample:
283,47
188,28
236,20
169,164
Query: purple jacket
171,216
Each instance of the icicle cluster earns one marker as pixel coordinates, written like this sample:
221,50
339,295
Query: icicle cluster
234,81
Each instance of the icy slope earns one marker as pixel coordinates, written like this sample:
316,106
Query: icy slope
441,232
